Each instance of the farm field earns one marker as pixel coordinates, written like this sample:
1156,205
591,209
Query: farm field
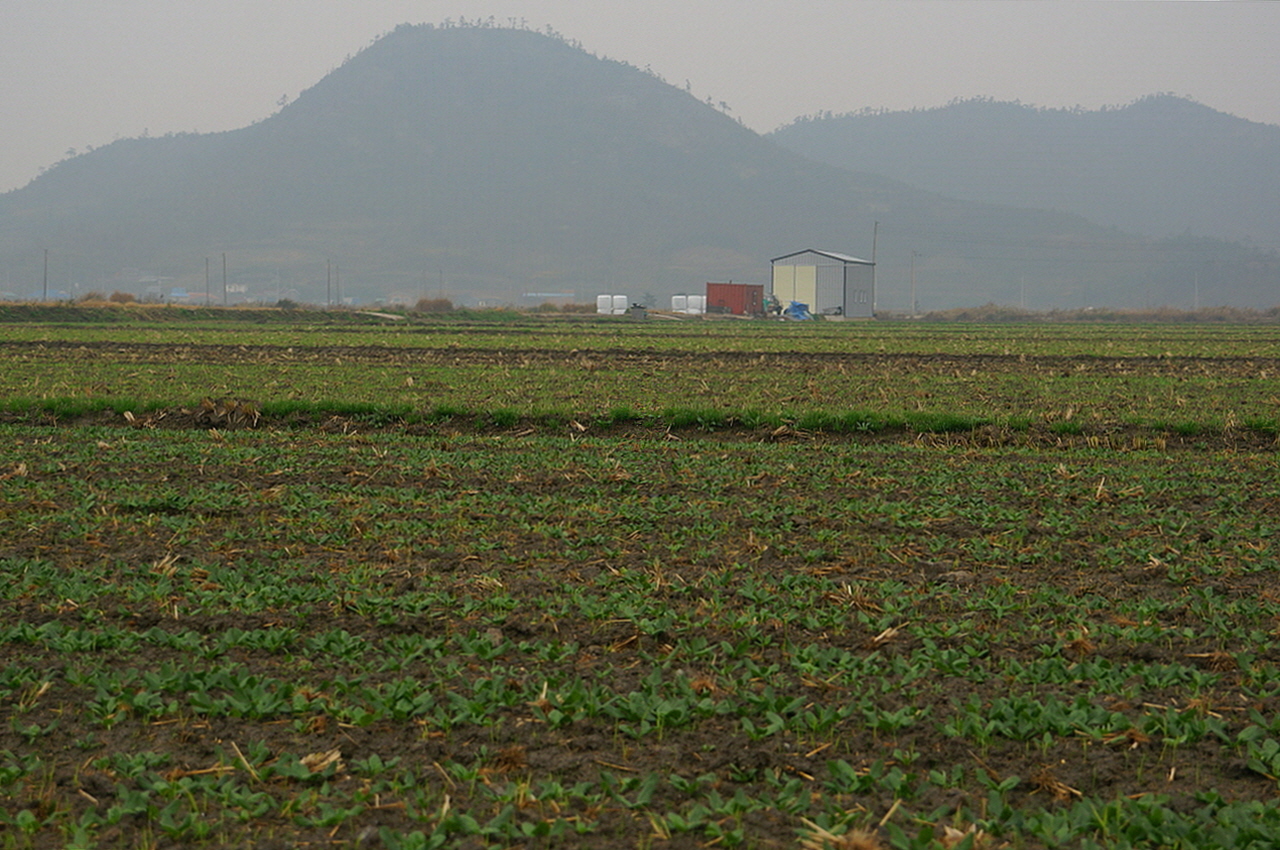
662,585
1071,379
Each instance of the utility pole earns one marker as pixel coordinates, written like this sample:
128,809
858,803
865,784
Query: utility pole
44,292
914,307
224,278
328,284
875,235
206,281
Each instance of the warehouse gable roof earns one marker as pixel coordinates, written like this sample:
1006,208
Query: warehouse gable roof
842,258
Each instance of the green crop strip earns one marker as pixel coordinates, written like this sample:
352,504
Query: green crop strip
1176,382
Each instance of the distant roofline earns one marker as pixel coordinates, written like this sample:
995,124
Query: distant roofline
843,258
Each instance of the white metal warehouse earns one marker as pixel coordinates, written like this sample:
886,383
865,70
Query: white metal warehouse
830,283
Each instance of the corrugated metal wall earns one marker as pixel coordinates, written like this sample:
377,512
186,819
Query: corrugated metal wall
859,292
830,292
739,299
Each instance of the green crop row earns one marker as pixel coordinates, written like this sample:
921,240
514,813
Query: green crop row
759,376
596,335
698,396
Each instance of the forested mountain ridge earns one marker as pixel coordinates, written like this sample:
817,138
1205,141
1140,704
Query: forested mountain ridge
488,163
1160,166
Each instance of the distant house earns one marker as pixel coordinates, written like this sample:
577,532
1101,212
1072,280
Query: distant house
830,283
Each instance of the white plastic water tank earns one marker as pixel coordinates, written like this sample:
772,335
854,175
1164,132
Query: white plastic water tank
697,305
620,305
604,304
679,303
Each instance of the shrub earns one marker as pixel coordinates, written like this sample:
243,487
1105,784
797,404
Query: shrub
622,414
504,417
119,297
434,305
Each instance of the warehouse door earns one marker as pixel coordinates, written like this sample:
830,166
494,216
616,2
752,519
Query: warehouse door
784,284
806,286
795,283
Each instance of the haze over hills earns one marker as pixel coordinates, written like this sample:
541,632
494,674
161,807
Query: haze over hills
1161,166
485,163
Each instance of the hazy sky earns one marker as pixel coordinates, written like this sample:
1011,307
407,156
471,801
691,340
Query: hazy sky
75,73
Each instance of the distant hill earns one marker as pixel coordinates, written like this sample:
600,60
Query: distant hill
485,163
1161,166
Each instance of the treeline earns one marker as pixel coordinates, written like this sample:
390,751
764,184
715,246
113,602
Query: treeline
996,313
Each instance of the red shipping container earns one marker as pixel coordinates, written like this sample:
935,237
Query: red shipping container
738,299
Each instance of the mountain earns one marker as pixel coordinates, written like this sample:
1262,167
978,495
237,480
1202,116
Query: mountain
1161,166
485,163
